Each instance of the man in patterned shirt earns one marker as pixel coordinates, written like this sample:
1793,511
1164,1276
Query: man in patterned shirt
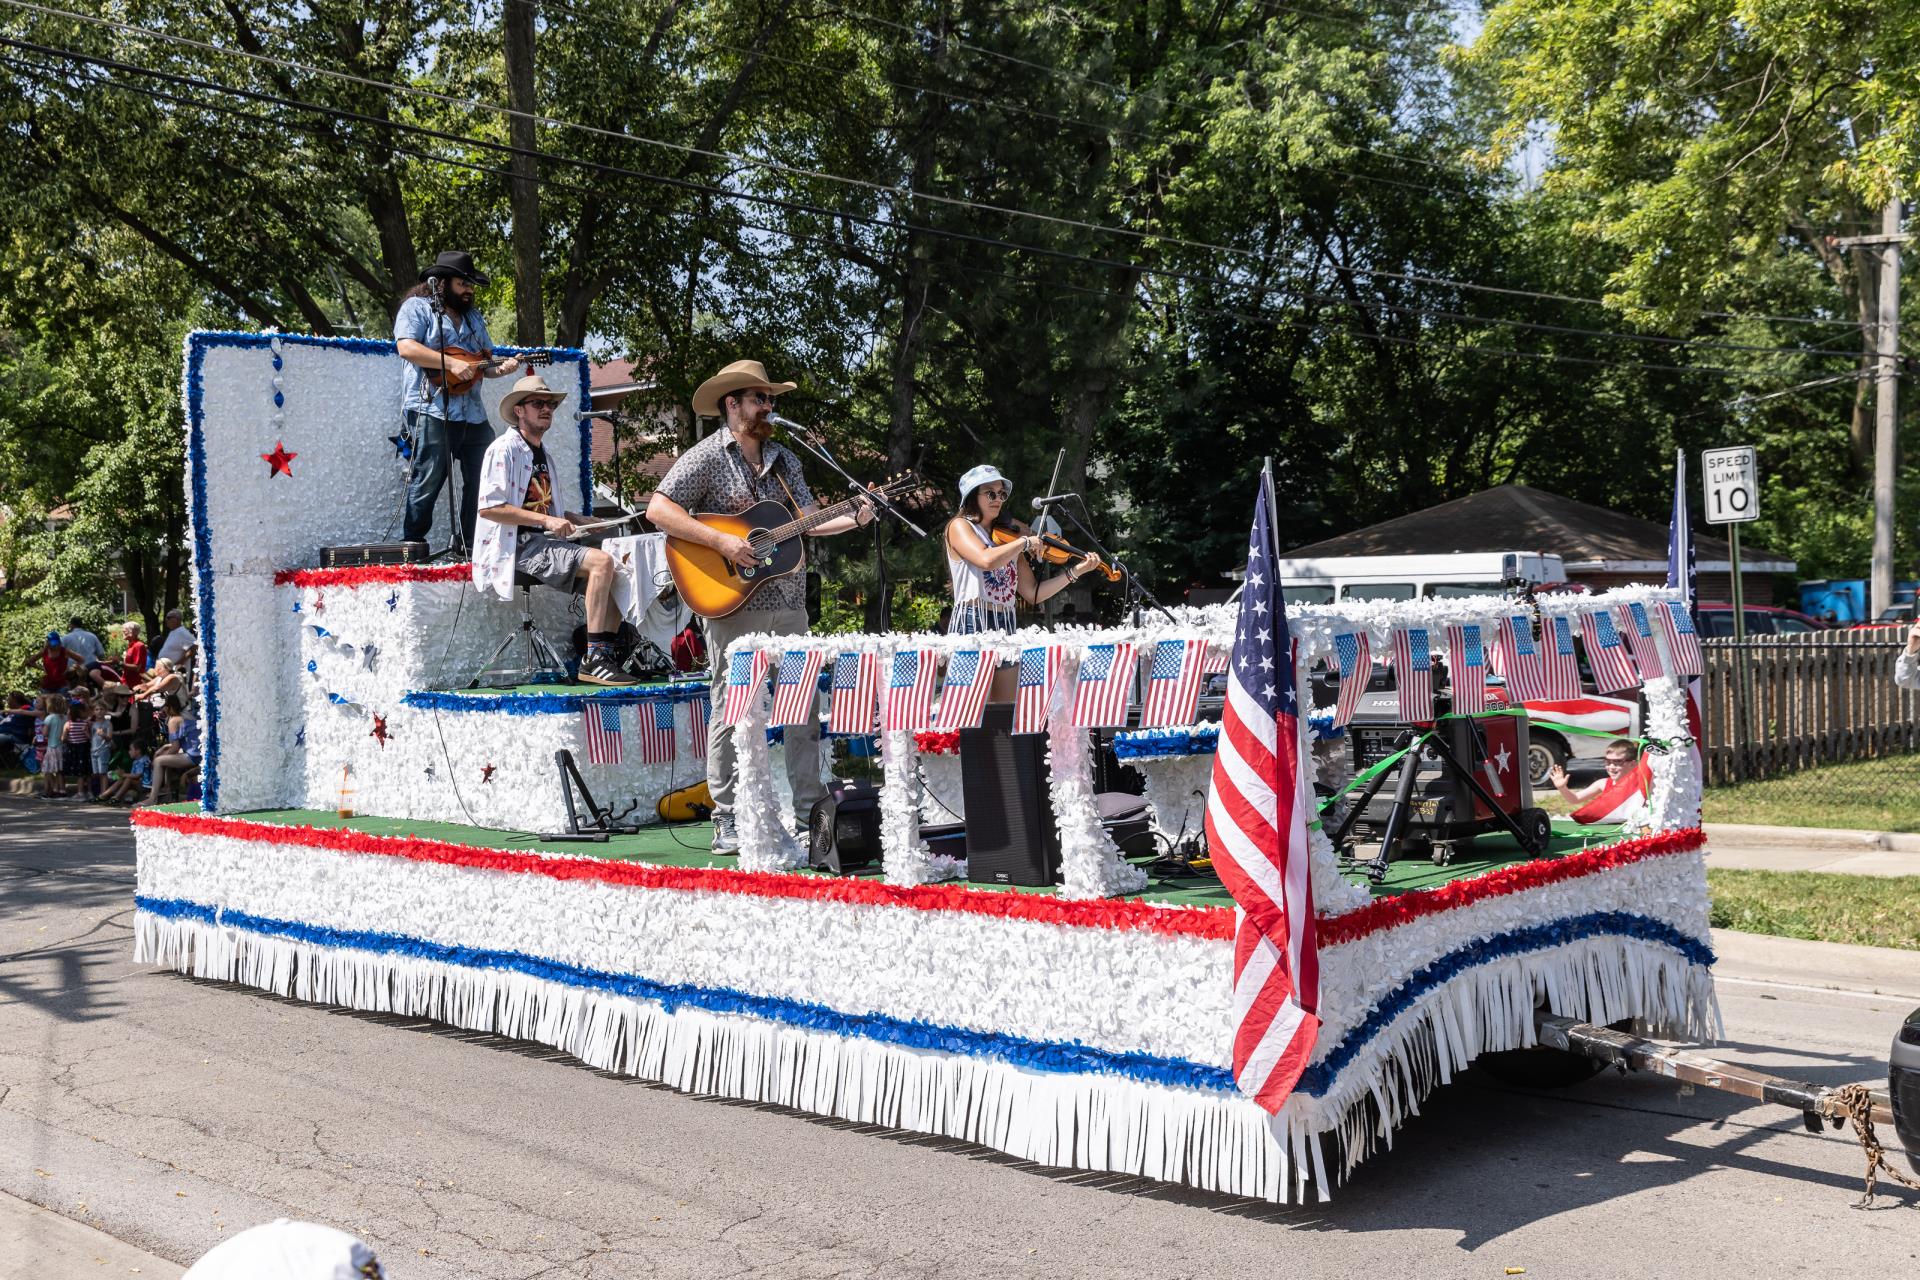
725,473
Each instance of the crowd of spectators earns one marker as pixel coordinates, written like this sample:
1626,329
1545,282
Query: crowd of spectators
109,728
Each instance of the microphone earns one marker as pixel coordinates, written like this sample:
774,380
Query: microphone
609,414
789,424
1041,504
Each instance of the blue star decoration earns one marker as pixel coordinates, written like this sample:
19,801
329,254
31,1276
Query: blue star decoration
313,668
402,447
296,606
393,602
300,736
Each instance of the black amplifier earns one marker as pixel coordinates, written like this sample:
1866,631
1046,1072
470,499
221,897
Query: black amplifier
373,553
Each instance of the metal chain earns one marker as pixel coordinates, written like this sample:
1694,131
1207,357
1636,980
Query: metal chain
1855,1102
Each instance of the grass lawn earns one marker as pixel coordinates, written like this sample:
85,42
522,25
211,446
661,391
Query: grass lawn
1874,911
1867,795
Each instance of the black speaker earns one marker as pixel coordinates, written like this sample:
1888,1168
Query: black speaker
843,831
1126,820
1011,838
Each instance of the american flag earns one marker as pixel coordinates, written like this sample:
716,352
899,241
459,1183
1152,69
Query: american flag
1257,833
1682,575
1518,657
1173,683
853,703
1105,686
746,680
1683,642
1646,650
964,695
657,745
604,744
1039,668
1353,653
1215,662
697,712
910,689
796,686
1607,653
1413,673
1467,668
1562,665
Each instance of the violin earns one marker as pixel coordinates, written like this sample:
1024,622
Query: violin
1052,550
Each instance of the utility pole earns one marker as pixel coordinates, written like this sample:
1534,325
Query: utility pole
516,29
1886,396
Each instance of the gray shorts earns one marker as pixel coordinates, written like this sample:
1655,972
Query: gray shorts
553,562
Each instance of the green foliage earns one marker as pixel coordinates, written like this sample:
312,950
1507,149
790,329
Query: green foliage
1870,911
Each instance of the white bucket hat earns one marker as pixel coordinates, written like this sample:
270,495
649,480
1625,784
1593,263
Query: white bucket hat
985,473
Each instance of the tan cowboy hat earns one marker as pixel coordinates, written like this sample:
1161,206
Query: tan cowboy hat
738,376
528,387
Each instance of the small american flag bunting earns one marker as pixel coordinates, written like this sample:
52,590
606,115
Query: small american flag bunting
604,743
964,694
1104,687
657,741
1413,673
796,686
1174,673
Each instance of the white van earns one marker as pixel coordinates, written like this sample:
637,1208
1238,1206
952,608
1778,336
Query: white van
1326,579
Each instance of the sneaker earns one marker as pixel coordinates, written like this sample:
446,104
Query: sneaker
602,671
726,840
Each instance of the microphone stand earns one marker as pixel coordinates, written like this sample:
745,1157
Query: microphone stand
1136,591
817,446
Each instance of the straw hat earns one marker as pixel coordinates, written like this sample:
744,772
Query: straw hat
741,375
528,387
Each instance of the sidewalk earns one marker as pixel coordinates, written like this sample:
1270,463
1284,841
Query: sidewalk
1796,962
1861,853
39,1244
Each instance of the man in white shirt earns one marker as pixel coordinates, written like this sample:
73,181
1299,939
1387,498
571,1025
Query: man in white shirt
179,642
519,531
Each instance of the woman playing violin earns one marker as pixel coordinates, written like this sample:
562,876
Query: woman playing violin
990,574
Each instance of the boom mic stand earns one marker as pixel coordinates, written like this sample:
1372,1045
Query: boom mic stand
1136,591
816,445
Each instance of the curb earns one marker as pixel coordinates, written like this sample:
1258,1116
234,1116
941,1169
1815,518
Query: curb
1800,962
1741,834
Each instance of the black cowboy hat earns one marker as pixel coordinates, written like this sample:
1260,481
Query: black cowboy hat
456,262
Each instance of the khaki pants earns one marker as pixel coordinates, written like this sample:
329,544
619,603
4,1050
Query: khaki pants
802,740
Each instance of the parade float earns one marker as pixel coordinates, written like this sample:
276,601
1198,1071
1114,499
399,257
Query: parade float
374,834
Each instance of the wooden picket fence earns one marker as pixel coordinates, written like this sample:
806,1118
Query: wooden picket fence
1815,699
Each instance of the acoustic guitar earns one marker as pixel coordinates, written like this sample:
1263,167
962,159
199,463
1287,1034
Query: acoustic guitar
458,384
714,586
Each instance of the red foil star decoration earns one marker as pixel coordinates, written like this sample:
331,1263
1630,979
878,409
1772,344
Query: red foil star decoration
279,462
486,773
380,730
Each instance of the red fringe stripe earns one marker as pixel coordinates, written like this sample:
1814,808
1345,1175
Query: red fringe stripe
372,575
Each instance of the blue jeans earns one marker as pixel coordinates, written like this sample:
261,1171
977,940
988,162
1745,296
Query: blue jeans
436,444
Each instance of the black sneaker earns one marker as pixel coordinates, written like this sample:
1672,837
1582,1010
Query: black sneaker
602,671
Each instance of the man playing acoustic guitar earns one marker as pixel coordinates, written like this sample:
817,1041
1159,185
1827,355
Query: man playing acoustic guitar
728,472
444,425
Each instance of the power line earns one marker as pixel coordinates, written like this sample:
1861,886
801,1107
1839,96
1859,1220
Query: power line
1262,318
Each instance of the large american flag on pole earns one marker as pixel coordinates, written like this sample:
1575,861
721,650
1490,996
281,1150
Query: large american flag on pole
1518,657
963,695
1638,625
796,686
604,744
1413,673
1174,674
746,680
1467,668
1257,833
1561,665
910,689
853,703
1039,669
657,744
1607,653
1352,653
1105,686
1682,574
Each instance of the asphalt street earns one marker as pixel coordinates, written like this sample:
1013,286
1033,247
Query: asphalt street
168,1113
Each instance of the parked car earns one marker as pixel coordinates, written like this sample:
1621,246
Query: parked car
1761,620
1894,615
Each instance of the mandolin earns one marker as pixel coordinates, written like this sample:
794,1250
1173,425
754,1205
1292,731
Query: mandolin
714,586
458,384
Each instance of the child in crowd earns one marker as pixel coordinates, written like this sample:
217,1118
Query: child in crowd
135,780
48,742
77,747
102,740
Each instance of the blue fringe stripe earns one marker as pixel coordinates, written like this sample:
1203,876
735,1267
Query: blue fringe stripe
1036,1055
552,704
1150,744
198,344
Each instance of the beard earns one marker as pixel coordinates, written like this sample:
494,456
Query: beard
457,303
759,428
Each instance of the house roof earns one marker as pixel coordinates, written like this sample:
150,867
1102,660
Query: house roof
1513,517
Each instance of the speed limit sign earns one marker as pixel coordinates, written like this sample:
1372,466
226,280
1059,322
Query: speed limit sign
1733,484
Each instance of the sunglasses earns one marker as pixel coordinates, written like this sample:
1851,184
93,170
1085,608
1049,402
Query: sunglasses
543,406
1622,761
998,495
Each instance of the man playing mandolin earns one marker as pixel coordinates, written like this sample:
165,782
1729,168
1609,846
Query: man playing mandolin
728,472
436,317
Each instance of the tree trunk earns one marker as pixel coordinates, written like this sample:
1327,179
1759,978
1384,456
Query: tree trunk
516,28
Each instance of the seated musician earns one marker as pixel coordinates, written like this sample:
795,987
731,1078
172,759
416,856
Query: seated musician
728,472
520,532
988,578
